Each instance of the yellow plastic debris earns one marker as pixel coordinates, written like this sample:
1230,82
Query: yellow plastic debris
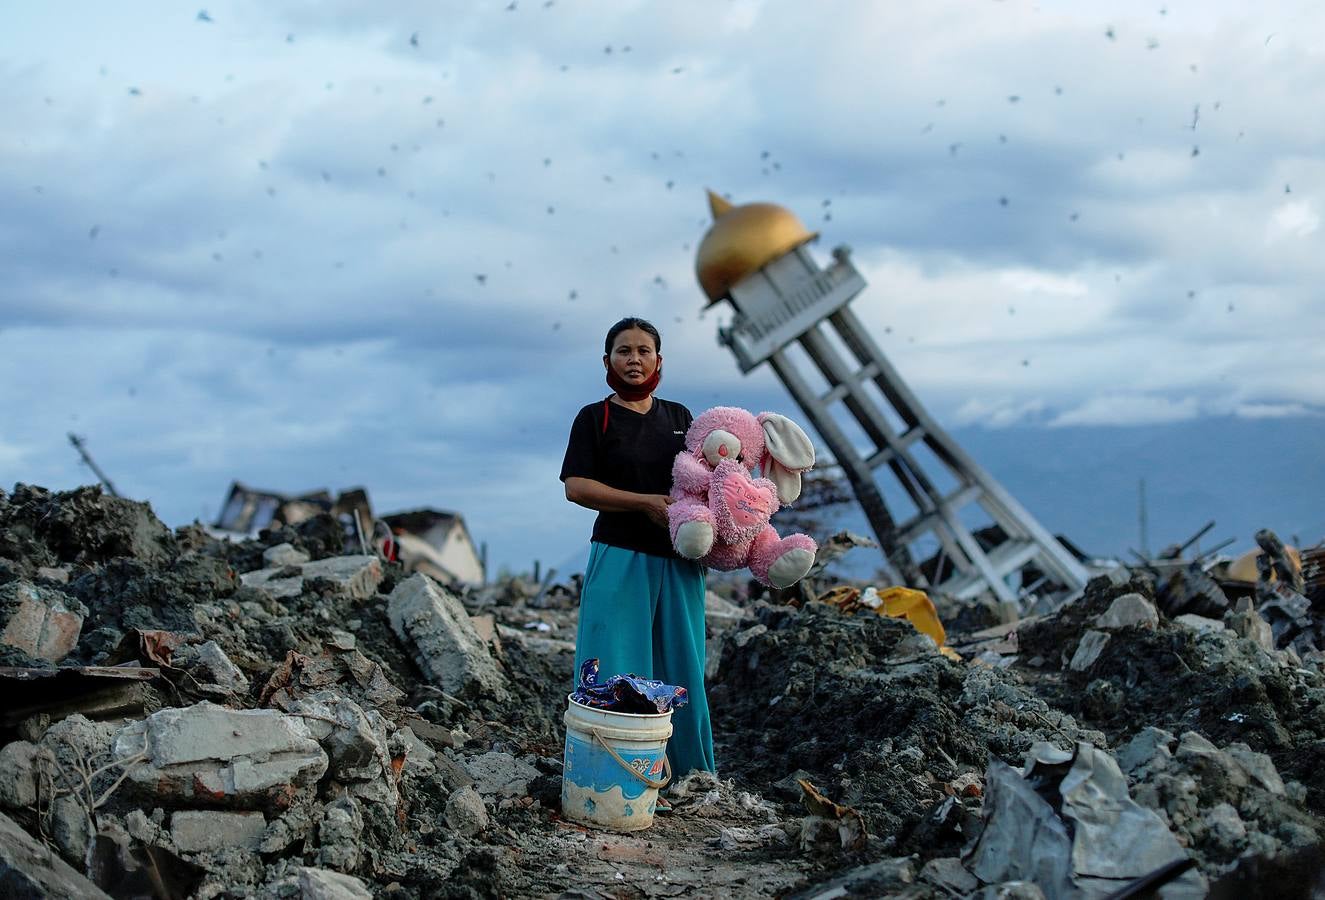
916,607
896,602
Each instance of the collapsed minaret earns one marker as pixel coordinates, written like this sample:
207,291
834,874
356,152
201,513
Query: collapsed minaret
756,257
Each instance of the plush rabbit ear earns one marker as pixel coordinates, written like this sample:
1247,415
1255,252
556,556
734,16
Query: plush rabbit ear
788,452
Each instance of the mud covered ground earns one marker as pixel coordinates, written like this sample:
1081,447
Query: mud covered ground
859,706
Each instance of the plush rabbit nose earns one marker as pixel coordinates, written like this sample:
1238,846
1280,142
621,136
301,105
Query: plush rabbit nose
720,445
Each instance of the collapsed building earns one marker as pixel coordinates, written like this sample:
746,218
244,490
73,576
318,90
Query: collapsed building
428,540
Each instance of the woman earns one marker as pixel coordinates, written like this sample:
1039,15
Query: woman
642,605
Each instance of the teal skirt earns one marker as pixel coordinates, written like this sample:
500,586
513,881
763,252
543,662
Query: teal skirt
644,615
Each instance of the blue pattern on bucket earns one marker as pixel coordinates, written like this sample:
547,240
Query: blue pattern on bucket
601,772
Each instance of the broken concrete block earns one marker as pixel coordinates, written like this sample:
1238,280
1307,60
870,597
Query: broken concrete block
78,737
29,870
1226,827
1091,646
283,555
210,667
1204,758
721,613
294,824
740,639
210,754
356,577
433,625
1247,623
1148,751
42,622
465,813
1199,624
419,755
948,875
18,775
485,626
501,774
274,583
355,741
1127,611
212,831
339,834
324,884
59,575
1258,766
72,829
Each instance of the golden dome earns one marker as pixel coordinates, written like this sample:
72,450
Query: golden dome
742,240
1244,567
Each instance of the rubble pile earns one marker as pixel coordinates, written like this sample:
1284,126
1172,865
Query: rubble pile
262,718
284,717
867,710
1217,732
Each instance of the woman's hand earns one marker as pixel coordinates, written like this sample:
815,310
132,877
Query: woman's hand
655,507
596,495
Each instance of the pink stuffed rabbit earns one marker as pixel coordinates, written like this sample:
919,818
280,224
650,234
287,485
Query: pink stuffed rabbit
720,517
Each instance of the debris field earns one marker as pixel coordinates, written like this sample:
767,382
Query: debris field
281,717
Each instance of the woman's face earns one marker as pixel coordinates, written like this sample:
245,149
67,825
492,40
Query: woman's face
633,356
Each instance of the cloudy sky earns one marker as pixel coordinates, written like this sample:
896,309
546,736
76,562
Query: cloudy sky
325,244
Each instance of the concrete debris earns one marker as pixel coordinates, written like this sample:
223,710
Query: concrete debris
498,774
283,555
433,623
350,577
43,622
1247,623
1199,624
738,837
29,870
1091,646
210,668
213,831
355,741
211,755
1127,611
339,835
18,775
56,574
949,877
324,884
466,813
264,717
71,827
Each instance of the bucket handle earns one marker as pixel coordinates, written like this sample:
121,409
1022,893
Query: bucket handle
657,785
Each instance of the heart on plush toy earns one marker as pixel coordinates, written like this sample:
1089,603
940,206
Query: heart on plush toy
746,504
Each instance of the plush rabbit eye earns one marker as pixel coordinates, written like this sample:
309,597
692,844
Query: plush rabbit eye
720,445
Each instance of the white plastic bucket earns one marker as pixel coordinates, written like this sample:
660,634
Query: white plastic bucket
614,765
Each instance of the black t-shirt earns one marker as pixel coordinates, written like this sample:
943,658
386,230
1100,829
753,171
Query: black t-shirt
633,453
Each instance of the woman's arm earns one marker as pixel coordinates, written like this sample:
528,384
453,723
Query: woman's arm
595,495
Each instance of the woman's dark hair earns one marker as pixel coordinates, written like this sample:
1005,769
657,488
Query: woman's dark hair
628,323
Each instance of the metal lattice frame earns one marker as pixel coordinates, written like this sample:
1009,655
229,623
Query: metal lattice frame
793,300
